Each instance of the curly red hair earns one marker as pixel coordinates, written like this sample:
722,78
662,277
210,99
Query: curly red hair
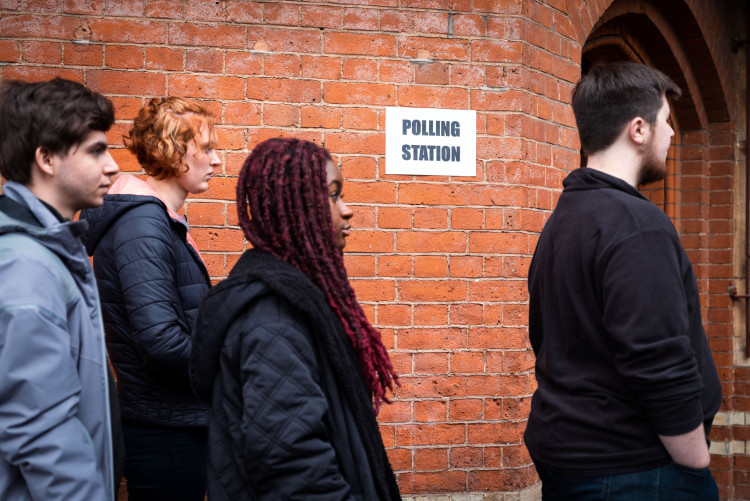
162,131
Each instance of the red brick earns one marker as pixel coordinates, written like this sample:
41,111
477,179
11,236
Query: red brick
396,412
359,143
242,113
374,290
210,35
244,12
429,482
206,214
163,58
34,51
321,117
284,40
394,217
370,241
400,459
281,14
393,314
129,83
505,479
360,69
244,63
280,115
123,57
125,8
430,386
430,459
430,266
430,314
436,48
433,97
204,61
498,338
320,16
206,86
466,409
433,194
367,192
397,20
161,9
360,44
89,7
466,314
359,93
394,266
469,25
418,241
430,363
396,71
467,75
127,31
283,90
360,19
9,51
430,218
466,457
30,26
281,65
322,67
204,10
218,239
466,266
429,338
126,108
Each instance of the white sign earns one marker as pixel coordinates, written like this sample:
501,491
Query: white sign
430,142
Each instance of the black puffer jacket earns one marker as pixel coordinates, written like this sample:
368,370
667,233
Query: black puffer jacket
291,417
151,282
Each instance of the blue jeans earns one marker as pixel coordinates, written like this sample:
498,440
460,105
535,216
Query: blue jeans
165,464
668,483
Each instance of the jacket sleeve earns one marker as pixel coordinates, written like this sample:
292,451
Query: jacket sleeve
646,311
145,263
287,448
40,389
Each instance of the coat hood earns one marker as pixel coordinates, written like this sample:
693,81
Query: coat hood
64,239
127,193
585,178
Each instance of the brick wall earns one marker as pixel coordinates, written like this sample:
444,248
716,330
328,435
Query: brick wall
439,263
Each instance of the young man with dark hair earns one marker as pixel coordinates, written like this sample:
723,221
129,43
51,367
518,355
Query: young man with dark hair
55,428
627,386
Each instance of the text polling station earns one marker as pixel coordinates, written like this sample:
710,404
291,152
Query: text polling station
430,142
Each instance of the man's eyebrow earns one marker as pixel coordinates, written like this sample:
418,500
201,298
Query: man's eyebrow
97,145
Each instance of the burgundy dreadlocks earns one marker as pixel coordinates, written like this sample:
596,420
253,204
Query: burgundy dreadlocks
282,202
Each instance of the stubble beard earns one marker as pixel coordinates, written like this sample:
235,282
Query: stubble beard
653,168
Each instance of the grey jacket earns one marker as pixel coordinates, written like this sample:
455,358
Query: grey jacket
55,431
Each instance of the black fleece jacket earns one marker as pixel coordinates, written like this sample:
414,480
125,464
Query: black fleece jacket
615,324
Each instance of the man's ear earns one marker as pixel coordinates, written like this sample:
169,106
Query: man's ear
638,131
44,160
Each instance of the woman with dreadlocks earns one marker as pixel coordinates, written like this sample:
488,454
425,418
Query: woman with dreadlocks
284,353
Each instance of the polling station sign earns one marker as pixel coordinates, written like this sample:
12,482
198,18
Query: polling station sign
430,142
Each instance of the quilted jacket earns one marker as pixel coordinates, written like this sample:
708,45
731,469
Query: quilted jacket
281,427
151,282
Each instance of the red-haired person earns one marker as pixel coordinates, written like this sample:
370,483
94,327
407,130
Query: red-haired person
284,352
151,280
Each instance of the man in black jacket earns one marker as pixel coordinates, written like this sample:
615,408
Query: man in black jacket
627,386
